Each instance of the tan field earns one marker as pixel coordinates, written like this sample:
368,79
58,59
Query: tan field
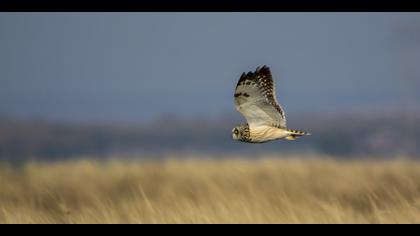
312,190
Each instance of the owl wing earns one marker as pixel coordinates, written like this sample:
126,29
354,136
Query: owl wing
255,99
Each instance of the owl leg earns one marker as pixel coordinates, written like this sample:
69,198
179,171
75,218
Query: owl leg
291,137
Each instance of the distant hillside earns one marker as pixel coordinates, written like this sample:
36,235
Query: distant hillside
344,135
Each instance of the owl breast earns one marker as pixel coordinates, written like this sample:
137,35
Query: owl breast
261,134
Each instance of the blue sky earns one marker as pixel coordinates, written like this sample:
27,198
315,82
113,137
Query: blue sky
128,67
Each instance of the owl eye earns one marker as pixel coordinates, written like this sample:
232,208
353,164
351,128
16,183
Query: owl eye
236,131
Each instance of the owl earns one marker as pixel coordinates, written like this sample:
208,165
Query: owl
255,98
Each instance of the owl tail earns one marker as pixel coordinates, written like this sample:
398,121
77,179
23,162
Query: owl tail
294,134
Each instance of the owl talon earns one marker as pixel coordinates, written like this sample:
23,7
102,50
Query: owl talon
291,137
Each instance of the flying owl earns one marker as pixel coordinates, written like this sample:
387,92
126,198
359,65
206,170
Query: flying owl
255,98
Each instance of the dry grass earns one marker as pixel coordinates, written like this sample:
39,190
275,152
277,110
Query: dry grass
234,191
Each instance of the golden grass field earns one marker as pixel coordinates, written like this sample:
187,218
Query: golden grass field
269,190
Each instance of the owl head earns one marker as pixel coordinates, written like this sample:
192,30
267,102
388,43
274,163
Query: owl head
240,132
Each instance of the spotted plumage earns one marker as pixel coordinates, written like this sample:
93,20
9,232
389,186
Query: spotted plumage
255,98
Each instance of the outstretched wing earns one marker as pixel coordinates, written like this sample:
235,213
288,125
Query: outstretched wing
255,98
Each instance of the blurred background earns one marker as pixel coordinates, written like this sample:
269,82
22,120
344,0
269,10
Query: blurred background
146,85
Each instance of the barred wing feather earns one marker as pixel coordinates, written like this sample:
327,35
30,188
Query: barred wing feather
255,99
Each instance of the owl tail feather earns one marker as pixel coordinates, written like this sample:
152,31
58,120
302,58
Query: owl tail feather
294,134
